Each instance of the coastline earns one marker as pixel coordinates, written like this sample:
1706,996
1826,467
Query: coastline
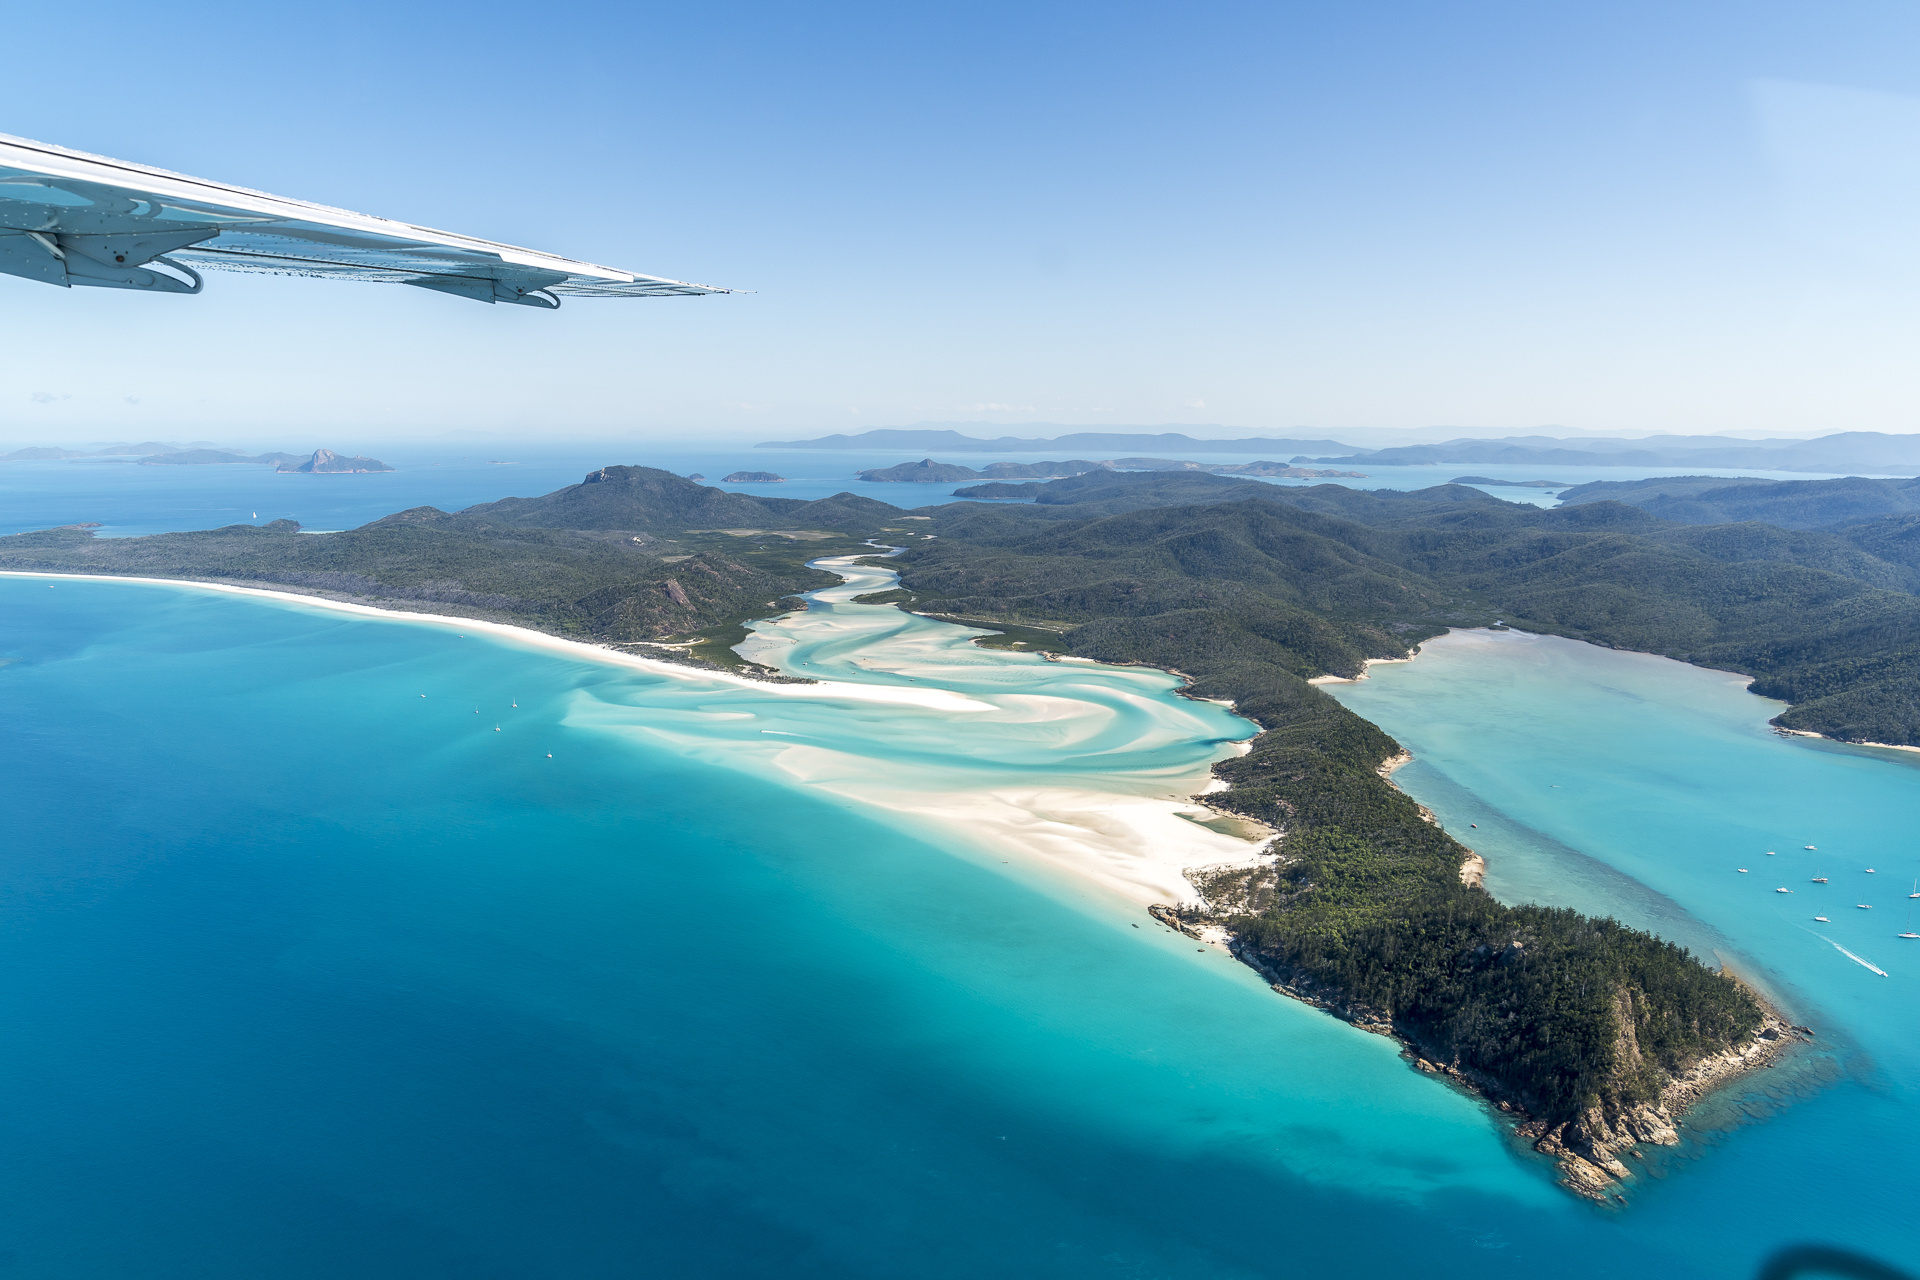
1593,1150
1126,849
1366,665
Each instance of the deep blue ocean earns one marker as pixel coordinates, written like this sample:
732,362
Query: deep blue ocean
556,971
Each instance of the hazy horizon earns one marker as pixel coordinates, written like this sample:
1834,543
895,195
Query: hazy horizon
362,440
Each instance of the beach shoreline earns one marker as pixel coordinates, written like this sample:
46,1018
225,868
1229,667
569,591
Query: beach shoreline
1128,850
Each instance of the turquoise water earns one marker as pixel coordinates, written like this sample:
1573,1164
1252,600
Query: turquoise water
1630,785
307,974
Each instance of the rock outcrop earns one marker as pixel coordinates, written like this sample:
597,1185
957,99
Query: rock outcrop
325,462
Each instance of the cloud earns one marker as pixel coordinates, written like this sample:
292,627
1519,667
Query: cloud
1196,403
131,399
995,408
47,397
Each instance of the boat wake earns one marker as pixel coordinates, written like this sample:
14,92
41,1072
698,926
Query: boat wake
1849,955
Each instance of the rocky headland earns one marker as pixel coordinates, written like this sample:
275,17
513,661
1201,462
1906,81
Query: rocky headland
1591,1148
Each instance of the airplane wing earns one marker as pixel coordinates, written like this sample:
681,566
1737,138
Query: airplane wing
69,218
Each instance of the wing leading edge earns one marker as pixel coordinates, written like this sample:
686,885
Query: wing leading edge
69,218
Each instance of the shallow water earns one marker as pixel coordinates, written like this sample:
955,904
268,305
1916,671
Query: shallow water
311,975
1630,785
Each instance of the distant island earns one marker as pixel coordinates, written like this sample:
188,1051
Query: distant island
1847,451
325,462
1511,484
753,477
927,471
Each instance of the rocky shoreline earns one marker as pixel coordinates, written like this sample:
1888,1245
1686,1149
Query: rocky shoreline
1589,1148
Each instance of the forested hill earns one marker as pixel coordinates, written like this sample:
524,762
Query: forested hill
1317,579
631,556
1790,504
646,498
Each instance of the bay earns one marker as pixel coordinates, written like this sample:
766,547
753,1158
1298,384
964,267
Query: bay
1629,785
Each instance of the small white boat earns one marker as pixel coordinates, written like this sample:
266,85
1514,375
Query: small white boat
1864,906
1822,919
1806,846
1771,854
1869,870
1742,870
1783,891
1819,880
1916,890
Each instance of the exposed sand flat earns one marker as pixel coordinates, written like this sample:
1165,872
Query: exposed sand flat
1080,770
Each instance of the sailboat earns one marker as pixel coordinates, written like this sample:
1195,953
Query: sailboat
1916,890
1910,933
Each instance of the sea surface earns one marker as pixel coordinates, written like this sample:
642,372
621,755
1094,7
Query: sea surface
1629,785
128,498
577,969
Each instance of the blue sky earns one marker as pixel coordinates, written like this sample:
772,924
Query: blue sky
1631,217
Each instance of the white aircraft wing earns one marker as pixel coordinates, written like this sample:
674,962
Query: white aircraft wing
69,218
